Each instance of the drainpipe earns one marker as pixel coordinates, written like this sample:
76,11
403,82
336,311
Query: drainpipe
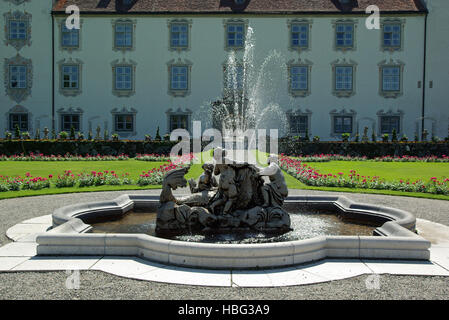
423,111
52,72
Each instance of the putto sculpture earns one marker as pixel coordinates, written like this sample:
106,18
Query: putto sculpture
240,200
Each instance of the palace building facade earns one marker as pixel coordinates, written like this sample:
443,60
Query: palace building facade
135,65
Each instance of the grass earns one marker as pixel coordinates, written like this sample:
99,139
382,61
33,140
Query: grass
45,168
390,171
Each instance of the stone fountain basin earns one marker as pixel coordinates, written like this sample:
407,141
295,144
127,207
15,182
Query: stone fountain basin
395,238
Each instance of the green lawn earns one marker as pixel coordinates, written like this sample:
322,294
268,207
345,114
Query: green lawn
45,168
390,171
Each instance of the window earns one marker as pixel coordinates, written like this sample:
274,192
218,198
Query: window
180,121
298,124
17,77
18,30
299,35
70,120
391,79
389,123
344,35
179,78
392,35
69,37
123,78
124,122
179,35
299,78
343,78
70,77
235,35
342,124
18,119
124,35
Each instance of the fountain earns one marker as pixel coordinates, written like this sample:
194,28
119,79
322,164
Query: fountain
239,221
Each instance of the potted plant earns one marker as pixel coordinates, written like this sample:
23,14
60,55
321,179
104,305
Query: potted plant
394,136
404,138
63,135
385,137
17,132
8,135
80,136
158,136
72,133
345,137
26,135
316,139
114,137
147,138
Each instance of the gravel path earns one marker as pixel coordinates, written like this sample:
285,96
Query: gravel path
100,285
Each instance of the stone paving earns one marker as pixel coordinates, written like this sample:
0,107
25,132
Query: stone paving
20,255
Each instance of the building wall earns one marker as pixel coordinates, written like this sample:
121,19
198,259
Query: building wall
437,102
38,103
207,54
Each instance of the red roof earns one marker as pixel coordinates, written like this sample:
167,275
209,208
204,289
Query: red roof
249,6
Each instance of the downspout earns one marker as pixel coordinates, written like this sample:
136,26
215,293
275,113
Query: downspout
423,111
52,71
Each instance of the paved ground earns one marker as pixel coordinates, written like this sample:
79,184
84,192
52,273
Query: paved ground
99,285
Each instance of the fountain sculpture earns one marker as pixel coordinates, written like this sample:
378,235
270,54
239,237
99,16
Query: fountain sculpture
240,200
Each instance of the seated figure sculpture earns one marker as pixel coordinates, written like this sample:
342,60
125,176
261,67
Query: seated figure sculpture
241,201
206,182
276,191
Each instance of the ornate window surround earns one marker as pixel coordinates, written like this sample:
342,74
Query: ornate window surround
18,94
70,92
69,49
354,23
343,113
298,112
124,21
344,63
124,111
300,63
391,94
390,113
19,109
179,63
21,16
69,111
385,21
290,23
227,22
179,111
124,63
171,22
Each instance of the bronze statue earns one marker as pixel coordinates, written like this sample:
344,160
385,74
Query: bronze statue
239,200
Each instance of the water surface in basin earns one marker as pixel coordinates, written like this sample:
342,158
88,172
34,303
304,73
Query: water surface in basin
305,225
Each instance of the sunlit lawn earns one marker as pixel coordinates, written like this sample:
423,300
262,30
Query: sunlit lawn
388,171
45,168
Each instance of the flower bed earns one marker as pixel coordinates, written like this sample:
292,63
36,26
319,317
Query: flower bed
311,177
69,179
338,157
152,157
66,157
